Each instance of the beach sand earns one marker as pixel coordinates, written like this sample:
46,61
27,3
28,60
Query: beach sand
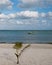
35,54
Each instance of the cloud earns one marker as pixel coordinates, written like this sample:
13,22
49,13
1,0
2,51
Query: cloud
49,2
19,22
50,14
43,14
28,14
5,4
25,15
27,3
22,15
44,22
19,18
34,3
3,16
26,19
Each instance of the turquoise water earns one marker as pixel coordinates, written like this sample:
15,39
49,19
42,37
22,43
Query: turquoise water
23,36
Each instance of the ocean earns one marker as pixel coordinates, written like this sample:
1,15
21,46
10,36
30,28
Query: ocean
30,36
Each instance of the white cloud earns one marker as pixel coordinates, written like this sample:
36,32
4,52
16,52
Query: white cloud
49,2
32,14
23,14
3,16
44,22
43,14
34,3
50,14
19,22
5,4
29,1
24,17
12,15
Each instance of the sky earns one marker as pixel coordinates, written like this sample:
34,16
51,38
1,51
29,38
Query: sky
25,14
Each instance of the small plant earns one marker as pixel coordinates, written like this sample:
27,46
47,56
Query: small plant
17,45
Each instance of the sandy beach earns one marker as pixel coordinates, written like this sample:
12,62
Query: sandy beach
35,54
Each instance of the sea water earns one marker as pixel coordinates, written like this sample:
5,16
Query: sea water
24,36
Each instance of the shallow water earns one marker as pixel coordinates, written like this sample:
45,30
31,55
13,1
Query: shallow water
23,36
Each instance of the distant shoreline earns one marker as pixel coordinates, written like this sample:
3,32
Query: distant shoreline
27,42
35,45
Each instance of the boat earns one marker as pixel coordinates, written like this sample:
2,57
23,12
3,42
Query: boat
29,32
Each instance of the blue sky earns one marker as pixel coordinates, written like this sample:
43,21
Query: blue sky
25,14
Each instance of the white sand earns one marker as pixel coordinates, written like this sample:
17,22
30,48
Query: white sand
36,54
